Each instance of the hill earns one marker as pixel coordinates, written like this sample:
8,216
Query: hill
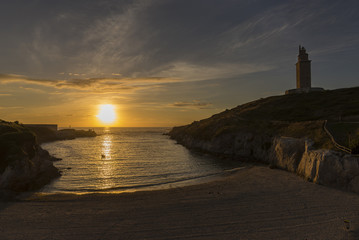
297,115
287,132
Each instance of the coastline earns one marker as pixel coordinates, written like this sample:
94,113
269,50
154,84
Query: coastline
153,187
252,203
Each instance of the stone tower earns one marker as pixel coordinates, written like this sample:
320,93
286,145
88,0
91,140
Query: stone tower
303,70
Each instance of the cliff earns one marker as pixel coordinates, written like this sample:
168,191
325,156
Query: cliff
285,132
24,165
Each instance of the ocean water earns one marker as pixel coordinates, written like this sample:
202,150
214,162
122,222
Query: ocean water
127,159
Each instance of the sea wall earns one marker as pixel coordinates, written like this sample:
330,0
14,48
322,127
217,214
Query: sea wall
325,167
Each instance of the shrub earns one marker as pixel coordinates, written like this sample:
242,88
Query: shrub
354,145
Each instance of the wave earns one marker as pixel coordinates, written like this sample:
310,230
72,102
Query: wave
147,186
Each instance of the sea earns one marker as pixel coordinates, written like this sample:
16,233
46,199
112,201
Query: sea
129,159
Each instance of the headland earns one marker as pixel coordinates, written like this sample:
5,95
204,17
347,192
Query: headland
289,132
24,165
49,132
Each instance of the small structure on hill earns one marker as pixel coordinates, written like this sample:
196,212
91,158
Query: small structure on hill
304,79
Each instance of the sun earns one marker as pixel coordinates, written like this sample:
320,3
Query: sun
107,113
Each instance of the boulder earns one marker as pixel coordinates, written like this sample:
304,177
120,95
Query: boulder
351,166
330,170
287,153
354,184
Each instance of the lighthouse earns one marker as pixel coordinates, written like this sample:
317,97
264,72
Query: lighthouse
304,79
303,70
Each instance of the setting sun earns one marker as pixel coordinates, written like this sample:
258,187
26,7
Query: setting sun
107,113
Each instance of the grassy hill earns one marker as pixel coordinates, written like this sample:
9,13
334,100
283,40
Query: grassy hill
328,105
298,115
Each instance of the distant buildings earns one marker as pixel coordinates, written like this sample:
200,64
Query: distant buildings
303,70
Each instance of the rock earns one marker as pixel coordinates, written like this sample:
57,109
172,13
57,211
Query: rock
24,165
354,185
287,153
28,174
351,166
325,167
322,167
307,166
330,170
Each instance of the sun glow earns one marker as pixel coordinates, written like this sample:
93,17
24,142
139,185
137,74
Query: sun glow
107,113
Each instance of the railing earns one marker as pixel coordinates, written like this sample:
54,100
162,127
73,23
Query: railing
337,145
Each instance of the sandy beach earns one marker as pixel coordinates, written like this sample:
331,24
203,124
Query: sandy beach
251,203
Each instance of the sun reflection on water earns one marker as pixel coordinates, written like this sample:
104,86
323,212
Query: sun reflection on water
106,147
125,159
106,166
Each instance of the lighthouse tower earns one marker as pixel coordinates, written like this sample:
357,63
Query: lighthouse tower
304,80
303,70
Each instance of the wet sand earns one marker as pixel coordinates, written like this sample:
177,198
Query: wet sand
252,203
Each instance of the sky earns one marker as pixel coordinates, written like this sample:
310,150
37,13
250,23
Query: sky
165,62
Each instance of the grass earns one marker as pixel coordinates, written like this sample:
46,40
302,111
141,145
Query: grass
328,105
297,115
345,133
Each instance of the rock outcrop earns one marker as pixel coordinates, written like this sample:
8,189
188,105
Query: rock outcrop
26,174
24,165
325,167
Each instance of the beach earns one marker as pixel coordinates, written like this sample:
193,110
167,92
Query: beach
255,202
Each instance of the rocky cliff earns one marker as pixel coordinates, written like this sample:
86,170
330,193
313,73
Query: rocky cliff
284,132
24,165
321,166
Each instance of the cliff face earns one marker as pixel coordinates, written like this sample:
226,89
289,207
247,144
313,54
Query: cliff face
283,131
325,167
24,165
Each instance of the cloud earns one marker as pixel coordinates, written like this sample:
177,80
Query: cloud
120,46
192,72
94,85
10,78
153,38
195,104
10,108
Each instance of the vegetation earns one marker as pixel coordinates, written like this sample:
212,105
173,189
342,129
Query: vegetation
345,133
335,105
297,115
16,142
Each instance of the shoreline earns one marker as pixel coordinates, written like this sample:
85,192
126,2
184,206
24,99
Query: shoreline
155,187
253,203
